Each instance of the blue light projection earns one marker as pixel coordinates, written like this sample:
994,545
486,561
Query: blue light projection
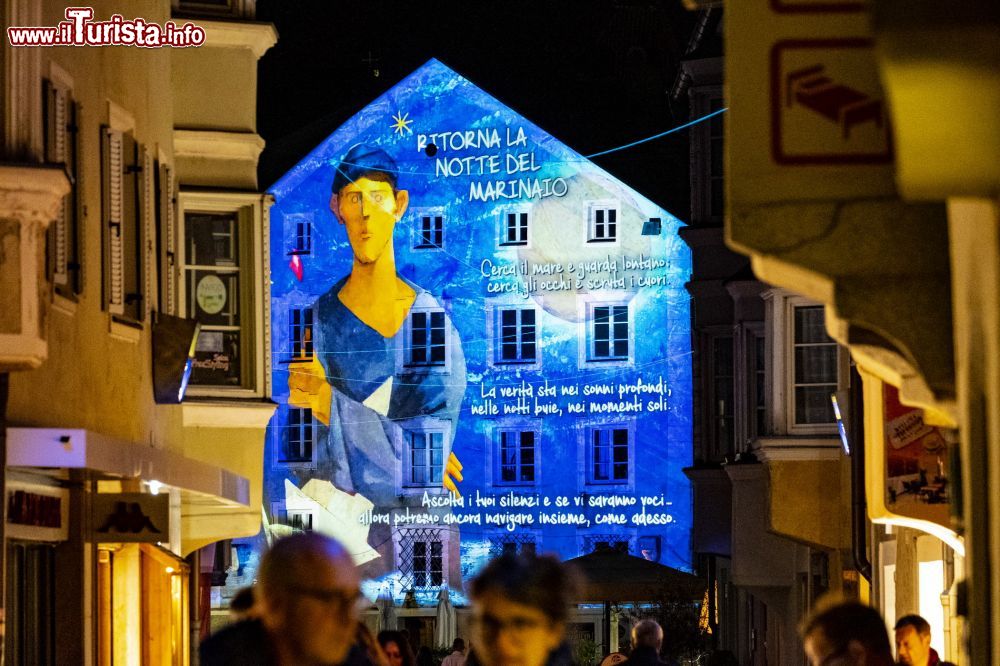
539,330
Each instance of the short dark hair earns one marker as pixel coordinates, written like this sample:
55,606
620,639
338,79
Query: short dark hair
848,621
539,581
458,644
242,601
919,624
364,161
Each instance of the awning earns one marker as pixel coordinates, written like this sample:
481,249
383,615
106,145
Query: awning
201,485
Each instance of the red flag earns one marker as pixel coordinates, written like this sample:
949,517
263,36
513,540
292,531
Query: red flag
296,265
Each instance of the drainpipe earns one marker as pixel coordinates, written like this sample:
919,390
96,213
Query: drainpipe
859,503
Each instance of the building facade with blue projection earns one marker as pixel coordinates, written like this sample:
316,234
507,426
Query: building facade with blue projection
453,287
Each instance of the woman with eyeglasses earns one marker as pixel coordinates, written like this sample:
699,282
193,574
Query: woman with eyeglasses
520,604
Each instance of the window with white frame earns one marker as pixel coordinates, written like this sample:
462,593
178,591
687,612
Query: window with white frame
516,342
300,520
429,231
123,176
722,398
428,338
212,276
516,457
602,222
758,375
300,332
716,147
222,266
423,462
59,120
609,454
421,555
609,334
298,438
514,227
814,367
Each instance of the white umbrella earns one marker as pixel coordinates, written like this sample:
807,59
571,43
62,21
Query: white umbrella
444,629
386,608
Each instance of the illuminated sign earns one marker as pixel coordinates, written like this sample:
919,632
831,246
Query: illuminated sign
460,298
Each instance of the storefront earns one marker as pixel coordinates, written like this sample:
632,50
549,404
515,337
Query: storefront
105,520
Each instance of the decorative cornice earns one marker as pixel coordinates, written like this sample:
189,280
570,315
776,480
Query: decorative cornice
245,146
227,414
31,193
258,37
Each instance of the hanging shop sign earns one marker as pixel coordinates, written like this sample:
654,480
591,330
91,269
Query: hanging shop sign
130,518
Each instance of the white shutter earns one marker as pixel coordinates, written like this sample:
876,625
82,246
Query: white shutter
169,247
115,219
56,153
147,195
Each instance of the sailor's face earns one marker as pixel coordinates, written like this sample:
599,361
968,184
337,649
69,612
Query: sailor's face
369,210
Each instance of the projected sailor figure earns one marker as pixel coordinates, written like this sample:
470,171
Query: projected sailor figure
387,375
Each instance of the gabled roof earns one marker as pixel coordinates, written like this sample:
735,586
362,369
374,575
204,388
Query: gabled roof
436,89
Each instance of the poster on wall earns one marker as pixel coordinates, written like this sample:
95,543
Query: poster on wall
480,343
916,463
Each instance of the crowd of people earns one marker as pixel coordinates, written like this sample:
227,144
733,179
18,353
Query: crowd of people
305,609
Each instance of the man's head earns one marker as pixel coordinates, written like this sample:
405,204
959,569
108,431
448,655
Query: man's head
365,200
241,605
845,633
913,640
648,634
458,645
308,591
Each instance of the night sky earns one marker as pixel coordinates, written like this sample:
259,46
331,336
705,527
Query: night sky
594,73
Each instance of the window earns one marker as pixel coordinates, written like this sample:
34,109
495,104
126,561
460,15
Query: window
609,333
517,336
609,455
649,548
723,435
298,233
61,147
814,367
298,437
421,557
716,146
513,544
424,461
758,370
223,271
430,232
514,228
300,333
212,273
516,457
607,542
123,281
298,519
428,338
602,222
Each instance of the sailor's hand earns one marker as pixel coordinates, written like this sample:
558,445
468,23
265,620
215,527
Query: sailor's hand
453,468
309,389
